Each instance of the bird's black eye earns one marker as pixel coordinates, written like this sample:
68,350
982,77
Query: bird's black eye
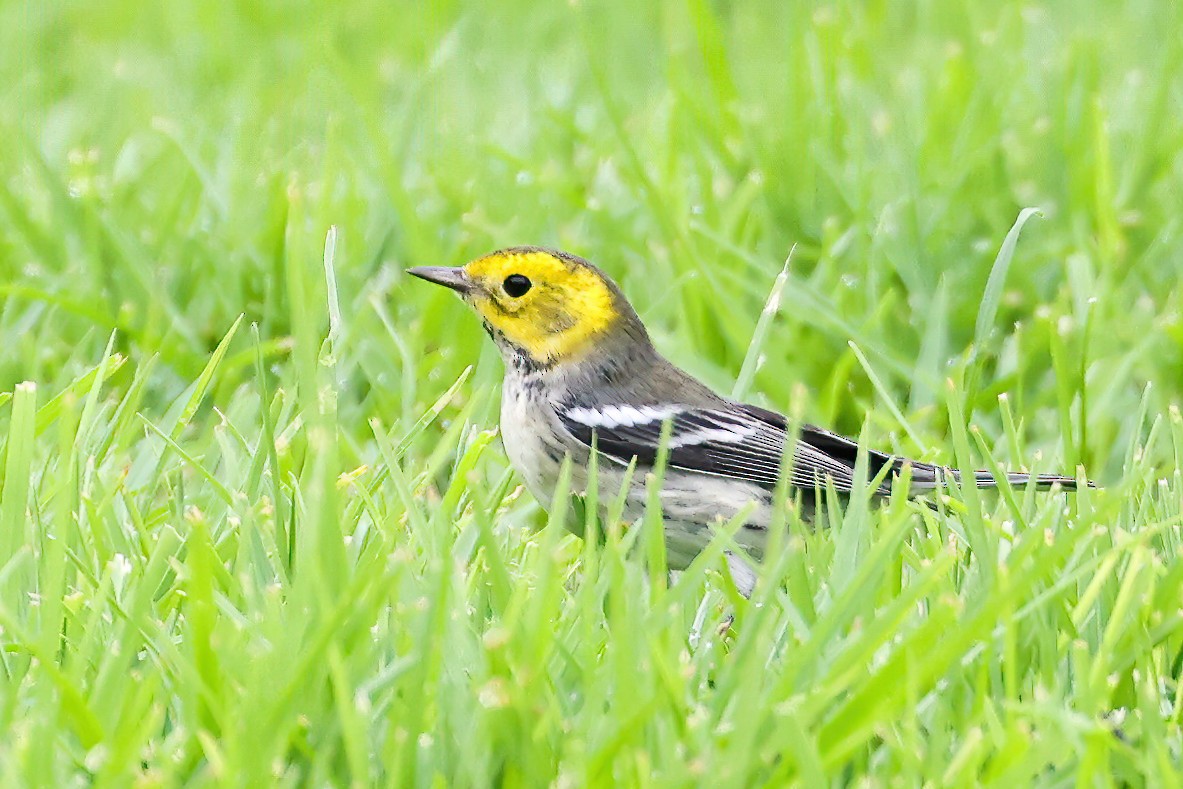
516,285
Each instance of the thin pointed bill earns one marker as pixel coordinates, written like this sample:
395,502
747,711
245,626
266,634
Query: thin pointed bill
449,277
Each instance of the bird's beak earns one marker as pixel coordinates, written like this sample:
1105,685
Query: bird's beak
454,278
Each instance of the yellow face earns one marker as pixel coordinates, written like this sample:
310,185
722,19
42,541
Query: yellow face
548,306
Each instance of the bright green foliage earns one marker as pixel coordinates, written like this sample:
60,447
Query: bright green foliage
254,525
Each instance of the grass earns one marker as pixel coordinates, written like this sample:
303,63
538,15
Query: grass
255,527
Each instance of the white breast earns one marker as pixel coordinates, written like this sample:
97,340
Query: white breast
692,503
526,425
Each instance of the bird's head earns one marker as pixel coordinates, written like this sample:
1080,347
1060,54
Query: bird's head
541,304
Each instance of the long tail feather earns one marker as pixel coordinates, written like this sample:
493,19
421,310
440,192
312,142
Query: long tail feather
984,479
928,477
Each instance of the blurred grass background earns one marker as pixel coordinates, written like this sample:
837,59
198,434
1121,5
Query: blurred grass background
169,168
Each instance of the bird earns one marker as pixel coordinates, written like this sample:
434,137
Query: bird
582,376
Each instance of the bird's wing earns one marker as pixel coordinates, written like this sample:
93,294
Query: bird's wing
739,442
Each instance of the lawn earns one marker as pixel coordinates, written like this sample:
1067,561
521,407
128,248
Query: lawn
256,524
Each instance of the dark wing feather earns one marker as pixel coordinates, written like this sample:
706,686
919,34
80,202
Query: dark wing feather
707,441
739,442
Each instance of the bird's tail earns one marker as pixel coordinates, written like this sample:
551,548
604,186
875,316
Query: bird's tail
926,476
985,479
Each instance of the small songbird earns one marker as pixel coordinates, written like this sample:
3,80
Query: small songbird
581,372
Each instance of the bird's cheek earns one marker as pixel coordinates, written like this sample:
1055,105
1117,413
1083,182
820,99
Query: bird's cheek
487,309
552,317
501,324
